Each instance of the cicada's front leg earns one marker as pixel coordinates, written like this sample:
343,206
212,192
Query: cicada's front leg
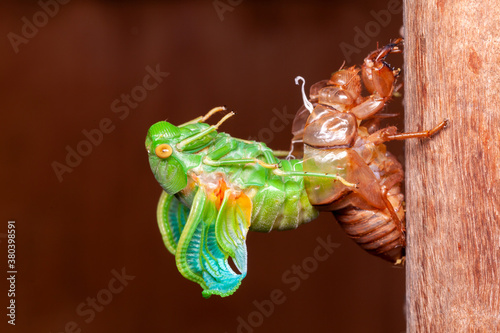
227,144
218,154
378,76
202,119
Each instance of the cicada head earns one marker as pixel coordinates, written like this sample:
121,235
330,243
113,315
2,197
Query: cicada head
173,151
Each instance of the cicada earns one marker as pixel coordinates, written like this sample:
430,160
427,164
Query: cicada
216,187
341,133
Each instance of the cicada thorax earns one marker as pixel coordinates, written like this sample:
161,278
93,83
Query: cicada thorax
329,136
341,92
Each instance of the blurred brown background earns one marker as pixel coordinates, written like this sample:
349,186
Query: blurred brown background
62,75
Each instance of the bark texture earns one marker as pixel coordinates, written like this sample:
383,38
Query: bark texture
452,59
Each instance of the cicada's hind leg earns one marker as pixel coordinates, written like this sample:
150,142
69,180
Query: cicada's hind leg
280,172
223,146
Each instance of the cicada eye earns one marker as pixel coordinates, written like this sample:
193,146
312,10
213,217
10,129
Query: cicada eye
163,151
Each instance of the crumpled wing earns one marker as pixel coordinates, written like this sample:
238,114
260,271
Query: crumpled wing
205,236
233,222
171,216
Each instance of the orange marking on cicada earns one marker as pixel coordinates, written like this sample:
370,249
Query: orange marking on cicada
219,192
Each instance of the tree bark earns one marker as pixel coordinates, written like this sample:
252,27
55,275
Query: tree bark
452,59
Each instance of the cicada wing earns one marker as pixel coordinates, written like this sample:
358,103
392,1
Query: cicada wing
233,222
171,217
199,255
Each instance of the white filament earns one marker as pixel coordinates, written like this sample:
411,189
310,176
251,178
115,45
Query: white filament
307,104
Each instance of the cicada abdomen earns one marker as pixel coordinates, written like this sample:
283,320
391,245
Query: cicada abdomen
337,142
377,229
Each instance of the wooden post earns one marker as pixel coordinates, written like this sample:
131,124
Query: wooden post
452,60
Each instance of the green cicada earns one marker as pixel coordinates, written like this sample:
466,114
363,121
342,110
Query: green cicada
216,188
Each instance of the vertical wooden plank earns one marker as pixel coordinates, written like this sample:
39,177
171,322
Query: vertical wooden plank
452,59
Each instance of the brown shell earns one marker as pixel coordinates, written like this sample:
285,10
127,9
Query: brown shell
327,127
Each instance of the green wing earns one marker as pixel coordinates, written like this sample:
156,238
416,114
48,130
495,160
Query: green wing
232,226
171,216
204,237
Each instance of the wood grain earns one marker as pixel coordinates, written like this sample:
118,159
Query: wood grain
452,59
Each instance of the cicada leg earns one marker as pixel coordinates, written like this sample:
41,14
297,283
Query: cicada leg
216,155
213,111
202,119
400,262
378,76
279,172
203,133
411,135
276,169
394,215
240,161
